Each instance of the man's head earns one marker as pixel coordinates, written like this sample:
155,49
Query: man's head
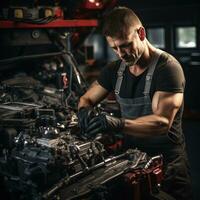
119,21
125,34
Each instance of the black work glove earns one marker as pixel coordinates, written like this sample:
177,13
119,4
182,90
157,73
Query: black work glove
104,123
84,115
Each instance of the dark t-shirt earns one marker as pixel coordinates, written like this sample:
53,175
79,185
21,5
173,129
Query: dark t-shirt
168,76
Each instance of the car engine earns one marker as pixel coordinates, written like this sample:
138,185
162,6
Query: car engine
44,156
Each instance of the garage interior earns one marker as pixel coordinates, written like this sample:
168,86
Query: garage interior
51,52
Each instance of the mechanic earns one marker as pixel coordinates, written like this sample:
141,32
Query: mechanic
149,86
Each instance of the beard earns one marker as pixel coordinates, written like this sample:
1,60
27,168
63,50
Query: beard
130,60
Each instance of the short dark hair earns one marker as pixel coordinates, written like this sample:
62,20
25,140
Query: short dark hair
118,21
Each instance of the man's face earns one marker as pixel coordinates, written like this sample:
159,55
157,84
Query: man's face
129,49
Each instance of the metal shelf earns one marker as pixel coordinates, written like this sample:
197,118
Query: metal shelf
7,24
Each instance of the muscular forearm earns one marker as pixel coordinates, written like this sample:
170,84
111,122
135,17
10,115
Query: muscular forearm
146,126
93,96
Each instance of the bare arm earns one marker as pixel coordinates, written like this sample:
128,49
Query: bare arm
165,106
93,96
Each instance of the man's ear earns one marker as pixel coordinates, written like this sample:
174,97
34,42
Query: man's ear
142,33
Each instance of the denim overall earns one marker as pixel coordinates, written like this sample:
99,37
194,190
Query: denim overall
175,160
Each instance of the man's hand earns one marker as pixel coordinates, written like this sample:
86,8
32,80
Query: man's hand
104,123
84,115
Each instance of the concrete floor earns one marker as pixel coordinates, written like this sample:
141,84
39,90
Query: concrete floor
191,130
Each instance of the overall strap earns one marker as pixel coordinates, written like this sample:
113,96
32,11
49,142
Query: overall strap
120,73
150,72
